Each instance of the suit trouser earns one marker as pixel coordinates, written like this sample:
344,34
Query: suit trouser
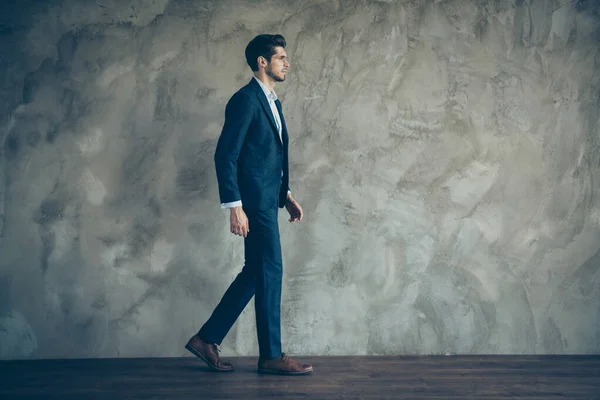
261,277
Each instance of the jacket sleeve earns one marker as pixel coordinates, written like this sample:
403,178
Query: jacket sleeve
238,116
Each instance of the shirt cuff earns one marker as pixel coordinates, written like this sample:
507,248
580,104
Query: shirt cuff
231,204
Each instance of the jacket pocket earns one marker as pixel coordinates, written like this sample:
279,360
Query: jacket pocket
253,171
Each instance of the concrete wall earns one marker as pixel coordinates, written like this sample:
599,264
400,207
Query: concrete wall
446,154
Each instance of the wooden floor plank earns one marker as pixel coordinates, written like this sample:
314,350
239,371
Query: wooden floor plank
335,377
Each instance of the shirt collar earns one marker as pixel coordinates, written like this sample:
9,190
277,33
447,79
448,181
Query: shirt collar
271,95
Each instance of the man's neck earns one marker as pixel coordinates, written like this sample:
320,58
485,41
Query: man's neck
266,79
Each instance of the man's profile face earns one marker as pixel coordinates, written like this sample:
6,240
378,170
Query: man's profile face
278,66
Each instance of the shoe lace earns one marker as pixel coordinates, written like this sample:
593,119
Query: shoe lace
217,347
285,358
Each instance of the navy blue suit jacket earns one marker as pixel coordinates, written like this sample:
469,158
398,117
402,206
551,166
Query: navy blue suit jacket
250,157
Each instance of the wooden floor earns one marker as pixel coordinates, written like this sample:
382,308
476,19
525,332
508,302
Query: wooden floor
432,377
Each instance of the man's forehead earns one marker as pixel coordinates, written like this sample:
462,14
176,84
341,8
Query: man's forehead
279,51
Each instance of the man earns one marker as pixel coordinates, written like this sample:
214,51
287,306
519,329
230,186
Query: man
251,161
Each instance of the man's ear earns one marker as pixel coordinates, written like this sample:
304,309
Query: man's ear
262,61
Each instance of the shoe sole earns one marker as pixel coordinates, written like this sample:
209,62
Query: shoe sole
200,356
276,372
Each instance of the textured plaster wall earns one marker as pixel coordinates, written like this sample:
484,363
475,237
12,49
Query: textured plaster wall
446,154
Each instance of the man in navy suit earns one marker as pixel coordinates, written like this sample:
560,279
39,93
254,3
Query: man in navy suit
251,161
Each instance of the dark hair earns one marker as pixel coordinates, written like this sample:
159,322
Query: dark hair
262,45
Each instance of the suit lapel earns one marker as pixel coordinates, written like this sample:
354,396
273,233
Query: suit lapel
283,126
264,103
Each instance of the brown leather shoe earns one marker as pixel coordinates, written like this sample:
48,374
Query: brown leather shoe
283,365
209,353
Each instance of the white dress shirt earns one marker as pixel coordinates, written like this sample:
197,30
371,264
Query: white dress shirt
271,97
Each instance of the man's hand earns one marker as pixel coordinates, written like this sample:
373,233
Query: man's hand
238,222
294,209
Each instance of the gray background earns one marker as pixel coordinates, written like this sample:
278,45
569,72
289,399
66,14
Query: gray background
446,154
